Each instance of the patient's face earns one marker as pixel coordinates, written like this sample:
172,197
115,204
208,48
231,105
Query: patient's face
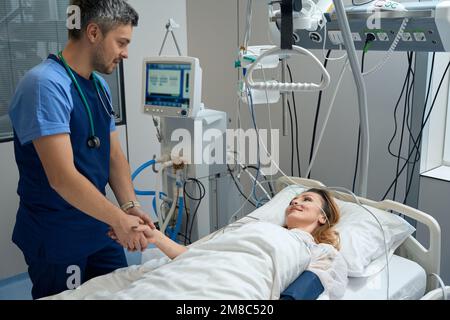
304,211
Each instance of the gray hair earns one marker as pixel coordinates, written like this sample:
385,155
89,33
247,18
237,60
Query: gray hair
108,14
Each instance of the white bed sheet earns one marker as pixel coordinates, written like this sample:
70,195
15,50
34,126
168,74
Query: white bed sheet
407,281
256,261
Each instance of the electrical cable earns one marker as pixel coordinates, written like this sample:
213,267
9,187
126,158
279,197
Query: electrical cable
239,188
202,193
186,239
418,143
395,113
316,117
400,146
324,44
248,27
268,197
265,178
441,285
258,154
390,50
419,136
358,144
296,123
411,97
292,137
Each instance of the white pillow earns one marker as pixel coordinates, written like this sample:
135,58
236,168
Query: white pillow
362,243
361,237
273,211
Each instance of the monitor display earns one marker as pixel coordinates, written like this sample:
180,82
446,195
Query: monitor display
167,85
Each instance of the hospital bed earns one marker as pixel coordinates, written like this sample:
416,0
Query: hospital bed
410,268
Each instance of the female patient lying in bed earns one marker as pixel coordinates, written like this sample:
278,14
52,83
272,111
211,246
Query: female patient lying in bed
258,260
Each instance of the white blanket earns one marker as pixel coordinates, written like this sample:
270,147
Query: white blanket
256,261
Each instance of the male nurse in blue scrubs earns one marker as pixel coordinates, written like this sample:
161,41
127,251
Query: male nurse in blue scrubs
67,150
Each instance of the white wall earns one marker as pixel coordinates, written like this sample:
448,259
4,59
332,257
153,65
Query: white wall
147,41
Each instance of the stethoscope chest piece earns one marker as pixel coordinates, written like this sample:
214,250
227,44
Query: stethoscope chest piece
93,142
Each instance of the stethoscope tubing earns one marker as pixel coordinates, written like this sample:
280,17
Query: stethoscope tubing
85,102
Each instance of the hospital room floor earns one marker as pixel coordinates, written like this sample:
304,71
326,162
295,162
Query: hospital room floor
19,287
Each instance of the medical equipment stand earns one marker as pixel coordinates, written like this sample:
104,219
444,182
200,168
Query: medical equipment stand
219,203
169,28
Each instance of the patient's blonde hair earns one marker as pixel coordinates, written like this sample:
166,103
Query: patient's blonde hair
327,233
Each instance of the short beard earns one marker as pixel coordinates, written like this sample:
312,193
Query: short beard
98,61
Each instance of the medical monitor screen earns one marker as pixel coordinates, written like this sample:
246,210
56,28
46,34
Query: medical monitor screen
168,85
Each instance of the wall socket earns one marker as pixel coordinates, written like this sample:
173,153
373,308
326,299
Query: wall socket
335,37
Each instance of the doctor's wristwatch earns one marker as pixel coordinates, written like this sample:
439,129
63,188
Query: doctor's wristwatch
130,204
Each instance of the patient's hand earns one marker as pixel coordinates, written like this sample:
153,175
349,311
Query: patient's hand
152,235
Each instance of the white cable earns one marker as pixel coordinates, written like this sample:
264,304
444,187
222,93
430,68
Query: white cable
323,48
255,181
442,285
236,158
267,98
287,87
240,208
248,28
391,49
327,117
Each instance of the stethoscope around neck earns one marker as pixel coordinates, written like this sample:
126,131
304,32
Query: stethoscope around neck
93,141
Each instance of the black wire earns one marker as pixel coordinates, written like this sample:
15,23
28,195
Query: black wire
187,215
400,145
296,124
264,176
410,175
363,57
417,153
357,159
186,240
316,117
410,104
202,192
407,111
419,136
416,143
238,187
409,72
292,138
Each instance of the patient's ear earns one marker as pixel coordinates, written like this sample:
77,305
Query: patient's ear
322,219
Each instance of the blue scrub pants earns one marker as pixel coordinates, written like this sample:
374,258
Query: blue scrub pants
50,278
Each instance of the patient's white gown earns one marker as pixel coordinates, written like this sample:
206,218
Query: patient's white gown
258,260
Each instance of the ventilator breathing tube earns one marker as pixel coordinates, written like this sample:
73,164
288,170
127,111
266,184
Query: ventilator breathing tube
173,232
147,193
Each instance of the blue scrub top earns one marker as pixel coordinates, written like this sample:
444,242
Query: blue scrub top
46,102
